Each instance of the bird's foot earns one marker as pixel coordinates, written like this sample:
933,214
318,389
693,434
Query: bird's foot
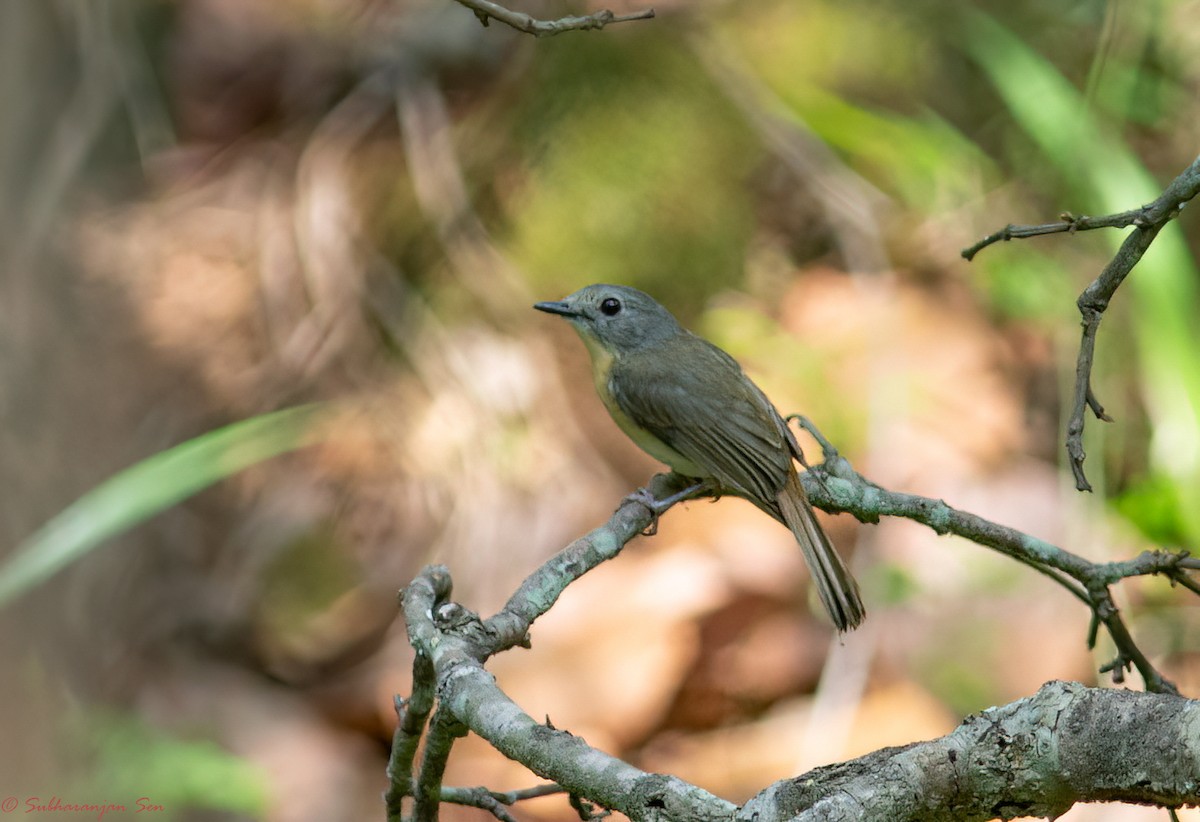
647,500
657,507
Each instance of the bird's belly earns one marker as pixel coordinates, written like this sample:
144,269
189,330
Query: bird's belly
649,443
602,364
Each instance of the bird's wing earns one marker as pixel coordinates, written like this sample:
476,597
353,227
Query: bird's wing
711,413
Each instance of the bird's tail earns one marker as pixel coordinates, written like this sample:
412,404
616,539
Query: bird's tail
837,589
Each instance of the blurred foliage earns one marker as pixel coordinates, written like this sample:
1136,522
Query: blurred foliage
1153,506
892,584
130,759
643,204
964,680
148,488
1025,284
858,87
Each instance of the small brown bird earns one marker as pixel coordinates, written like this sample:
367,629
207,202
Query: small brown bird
687,403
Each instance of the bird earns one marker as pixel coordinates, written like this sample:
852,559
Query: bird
689,404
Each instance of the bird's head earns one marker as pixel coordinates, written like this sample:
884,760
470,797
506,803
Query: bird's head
616,319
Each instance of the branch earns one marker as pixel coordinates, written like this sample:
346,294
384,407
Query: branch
1034,757
410,715
836,487
1069,224
1147,221
455,640
1037,756
1092,304
486,11
456,643
496,802
444,729
541,589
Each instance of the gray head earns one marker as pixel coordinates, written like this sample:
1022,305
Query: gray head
618,318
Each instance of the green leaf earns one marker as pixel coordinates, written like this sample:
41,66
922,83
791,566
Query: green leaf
1152,505
163,774
147,488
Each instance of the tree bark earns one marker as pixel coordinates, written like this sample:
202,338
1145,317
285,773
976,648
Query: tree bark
1034,757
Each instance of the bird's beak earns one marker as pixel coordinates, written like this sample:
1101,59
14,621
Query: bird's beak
559,307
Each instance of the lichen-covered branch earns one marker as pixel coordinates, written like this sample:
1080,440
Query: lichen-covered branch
411,715
1147,222
455,643
486,11
444,729
1034,757
1037,756
543,587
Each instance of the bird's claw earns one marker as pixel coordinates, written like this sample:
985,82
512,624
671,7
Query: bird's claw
643,497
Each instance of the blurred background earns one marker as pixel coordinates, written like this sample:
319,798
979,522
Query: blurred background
215,209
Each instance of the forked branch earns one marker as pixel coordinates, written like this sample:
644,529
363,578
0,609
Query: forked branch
453,644
1147,222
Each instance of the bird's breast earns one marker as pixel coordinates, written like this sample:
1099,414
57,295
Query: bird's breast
636,431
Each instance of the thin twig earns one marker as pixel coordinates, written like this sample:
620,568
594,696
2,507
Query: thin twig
1147,222
411,715
1087,581
1069,224
444,729
1092,303
496,802
486,11
585,810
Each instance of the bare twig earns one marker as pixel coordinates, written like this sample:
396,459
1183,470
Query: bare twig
486,11
1147,222
1069,224
542,588
1092,304
411,715
444,729
496,802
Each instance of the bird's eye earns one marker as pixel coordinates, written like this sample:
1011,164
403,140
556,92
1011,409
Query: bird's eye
610,306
